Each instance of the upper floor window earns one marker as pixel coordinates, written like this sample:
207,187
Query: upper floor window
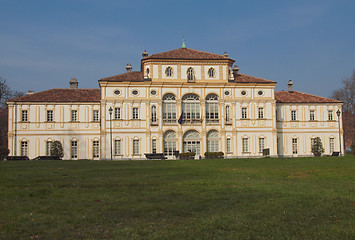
117,113
190,74
135,113
49,115
293,115
147,72
191,107
244,113
261,112
95,115
154,114
211,73
330,115
24,116
228,118
212,107
169,72
311,115
169,108
74,115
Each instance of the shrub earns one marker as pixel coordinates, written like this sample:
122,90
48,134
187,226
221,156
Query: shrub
214,154
317,147
353,148
57,149
187,155
4,151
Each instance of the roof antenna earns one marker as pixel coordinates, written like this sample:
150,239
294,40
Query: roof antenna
183,41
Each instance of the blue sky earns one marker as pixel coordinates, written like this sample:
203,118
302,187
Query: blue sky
44,43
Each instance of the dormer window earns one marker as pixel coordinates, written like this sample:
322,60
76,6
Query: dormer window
169,72
211,73
190,75
147,73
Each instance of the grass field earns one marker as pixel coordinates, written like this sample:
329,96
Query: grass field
299,198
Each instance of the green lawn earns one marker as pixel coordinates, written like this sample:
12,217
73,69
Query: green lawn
299,198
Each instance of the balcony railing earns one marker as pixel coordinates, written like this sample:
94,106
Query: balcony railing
212,121
169,121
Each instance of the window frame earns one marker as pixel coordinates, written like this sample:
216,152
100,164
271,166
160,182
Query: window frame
117,115
330,115
95,115
294,145
117,147
135,113
245,145
24,115
74,115
261,113
73,149
50,114
293,115
96,149
244,113
24,148
312,115
135,147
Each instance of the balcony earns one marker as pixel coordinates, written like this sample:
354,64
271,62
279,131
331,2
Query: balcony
169,121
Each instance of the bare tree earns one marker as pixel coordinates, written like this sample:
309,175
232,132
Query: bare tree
5,92
347,94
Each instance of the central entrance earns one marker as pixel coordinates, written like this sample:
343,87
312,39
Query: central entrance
191,142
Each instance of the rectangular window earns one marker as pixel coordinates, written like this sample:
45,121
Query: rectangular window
48,148
24,148
154,146
117,113
294,146
228,145
49,115
311,115
95,115
135,147
24,116
261,144
331,145
95,149
293,115
244,113
74,149
245,145
261,112
330,115
117,147
74,115
135,114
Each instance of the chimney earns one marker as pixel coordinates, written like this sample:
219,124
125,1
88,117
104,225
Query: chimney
290,86
30,92
225,54
144,54
235,69
129,68
73,83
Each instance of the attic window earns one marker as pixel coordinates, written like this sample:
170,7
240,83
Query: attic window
190,74
244,93
260,93
211,73
169,72
135,92
117,92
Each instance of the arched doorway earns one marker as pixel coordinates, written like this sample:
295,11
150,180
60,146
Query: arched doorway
191,142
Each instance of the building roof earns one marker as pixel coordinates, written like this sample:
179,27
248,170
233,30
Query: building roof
61,95
242,78
299,97
124,77
187,54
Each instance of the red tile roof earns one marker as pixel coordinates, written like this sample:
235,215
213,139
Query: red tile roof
242,78
128,76
187,54
61,95
298,97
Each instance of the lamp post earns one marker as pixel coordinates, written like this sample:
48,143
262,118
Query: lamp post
110,111
338,114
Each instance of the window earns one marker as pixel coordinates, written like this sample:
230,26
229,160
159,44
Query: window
294,146
135,147
244,113
49,115
169,72
74,149
24,148
191,107
154,146
311,115
135,92
293,115
260,93
190,75
48,148
212,108
330,115
147,72
117,113
331,145
24,116
169,143
211,73
228,145
226,93
245,145
244,93
154,114
135,114
191,142
169,108
312,143
117,92
117,147
228,119
261,112
212,141
95,149
277,115
261,144
95,115
153,92
74,115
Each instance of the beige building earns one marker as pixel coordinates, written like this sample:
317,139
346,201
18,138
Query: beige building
181,100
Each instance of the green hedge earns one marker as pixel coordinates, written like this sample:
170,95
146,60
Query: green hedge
187,155
214,154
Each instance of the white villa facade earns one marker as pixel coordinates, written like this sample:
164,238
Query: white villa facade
181,100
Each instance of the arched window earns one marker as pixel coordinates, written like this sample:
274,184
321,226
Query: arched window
191,142
191,107
147,72
169,143
212,108
154,114
190,74
211,73
169,72
169,108
212,141
228,119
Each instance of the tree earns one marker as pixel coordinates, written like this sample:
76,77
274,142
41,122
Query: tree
57,149
317,147
5,92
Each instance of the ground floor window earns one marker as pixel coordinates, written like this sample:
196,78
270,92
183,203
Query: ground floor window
95,149
191,142
74,149
261,144
228,145
245,145
154,146
212,141
24,148
169,143
135,147
331,145
294,146
117,147
48,148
